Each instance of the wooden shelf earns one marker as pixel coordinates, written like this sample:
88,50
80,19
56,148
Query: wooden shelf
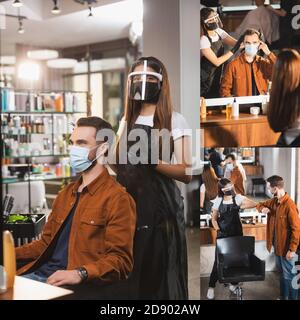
209,235
245,131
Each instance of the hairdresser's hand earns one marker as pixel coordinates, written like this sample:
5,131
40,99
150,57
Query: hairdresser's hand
264,48
64,277
265,210
237,46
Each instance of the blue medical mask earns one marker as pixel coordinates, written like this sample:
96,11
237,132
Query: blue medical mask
79,158
229,166
251,50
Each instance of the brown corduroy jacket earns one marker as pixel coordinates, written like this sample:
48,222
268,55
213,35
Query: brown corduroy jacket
283,218
237,78
237,179
102,231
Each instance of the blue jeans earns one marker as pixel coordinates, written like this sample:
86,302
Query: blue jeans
34,276
287,272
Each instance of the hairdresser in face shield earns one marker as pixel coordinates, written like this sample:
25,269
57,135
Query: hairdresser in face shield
226,220
160,256
212,52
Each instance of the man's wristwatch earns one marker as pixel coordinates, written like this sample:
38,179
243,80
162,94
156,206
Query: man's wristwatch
83,274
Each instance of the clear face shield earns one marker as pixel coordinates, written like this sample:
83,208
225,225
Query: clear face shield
144,85
228,190
213,23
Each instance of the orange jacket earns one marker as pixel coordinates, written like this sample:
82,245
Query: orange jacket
236,80
102,232
284,219
236,178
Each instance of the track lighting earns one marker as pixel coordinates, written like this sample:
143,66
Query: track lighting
17,4
91,13
56,9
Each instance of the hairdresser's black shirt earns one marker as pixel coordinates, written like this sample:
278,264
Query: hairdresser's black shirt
287,6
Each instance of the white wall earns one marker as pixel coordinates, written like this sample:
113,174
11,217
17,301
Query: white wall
171,33
282,162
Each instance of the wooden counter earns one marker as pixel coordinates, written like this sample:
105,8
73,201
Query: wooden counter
208,235
245,131
26,289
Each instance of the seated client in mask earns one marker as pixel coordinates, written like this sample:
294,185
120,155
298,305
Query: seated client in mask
88,238
249,73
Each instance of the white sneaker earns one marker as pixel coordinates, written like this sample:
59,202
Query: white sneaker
210,293
233,288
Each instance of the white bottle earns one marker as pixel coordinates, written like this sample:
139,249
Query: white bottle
235,109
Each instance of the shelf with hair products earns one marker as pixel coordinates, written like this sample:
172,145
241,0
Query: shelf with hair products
35,127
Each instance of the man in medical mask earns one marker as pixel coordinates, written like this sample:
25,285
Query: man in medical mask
88,239
249,73
283,234
235,172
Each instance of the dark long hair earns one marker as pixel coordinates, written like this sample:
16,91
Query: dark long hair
164,108
204,14
210,181
284,106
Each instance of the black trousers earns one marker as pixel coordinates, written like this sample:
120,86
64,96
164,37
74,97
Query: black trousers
214,273
213,279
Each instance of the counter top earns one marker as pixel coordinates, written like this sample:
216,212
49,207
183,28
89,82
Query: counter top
245,131
26,289
220,119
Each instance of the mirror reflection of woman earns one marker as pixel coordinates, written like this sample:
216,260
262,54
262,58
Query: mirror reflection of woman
284,107
160,254
212,52
226,221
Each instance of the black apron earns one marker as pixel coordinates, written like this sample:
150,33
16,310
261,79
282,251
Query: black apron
229,220
160,253
282,142
210,74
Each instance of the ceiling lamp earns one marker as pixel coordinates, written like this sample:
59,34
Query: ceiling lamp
42,54
7,60
62,63
21,29
55,9
17,4
91,13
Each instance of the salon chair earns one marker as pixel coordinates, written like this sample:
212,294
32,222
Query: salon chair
237,263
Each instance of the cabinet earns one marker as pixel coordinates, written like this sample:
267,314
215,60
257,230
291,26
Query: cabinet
35,128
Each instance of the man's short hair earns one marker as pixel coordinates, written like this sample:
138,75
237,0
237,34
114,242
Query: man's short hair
276,181
231,156
251,32
95,122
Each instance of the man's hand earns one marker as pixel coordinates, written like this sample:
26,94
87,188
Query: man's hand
265,210
64,277
290,255
264,47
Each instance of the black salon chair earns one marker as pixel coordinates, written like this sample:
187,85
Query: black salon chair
237,262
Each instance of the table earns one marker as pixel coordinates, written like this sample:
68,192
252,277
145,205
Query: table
26,289
245,131
208,235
